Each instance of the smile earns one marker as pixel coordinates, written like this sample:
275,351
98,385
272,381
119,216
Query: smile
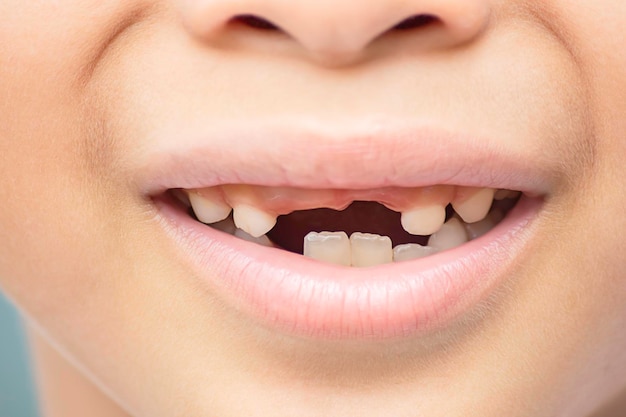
359,228
332,258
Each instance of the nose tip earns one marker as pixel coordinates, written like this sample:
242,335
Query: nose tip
338,32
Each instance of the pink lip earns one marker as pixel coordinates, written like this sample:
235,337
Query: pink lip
298,295
293,294
309,155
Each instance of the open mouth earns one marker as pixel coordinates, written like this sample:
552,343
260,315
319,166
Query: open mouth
346,232
358,228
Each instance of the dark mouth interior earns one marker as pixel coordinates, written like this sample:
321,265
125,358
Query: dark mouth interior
360,216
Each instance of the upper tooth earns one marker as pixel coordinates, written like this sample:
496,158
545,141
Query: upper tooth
476,207
208,208
370,249
333,247
252,220
476,230
451,235
262,240
423,220
411,251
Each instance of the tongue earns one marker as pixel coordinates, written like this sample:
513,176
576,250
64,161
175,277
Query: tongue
360,216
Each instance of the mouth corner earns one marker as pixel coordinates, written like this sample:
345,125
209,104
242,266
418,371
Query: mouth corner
279,234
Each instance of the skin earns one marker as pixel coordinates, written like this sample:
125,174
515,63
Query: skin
114,313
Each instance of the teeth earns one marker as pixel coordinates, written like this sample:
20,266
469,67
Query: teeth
369,249
423,221
262,240
427,218
412,251
208,208
451,235
476,230
253,221
476,207
332,247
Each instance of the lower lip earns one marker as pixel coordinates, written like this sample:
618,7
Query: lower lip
296,295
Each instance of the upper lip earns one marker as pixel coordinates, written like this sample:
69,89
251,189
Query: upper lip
310,154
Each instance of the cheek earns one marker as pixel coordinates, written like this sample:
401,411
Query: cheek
47,222
47,235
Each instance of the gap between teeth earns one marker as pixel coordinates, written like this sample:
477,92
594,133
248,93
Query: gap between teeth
472,206
368,249
423,210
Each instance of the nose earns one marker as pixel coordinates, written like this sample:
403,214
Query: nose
338,32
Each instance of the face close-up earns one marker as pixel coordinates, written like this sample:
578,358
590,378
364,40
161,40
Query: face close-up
317,208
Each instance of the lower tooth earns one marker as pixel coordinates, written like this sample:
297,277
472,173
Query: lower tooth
476,230
412,251
370,249
332,247
262,240
451,235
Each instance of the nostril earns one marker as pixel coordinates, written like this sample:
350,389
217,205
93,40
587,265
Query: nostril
255,22
416,22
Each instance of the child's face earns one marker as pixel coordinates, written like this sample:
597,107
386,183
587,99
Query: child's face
107,105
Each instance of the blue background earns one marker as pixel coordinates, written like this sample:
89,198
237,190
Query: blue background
17,398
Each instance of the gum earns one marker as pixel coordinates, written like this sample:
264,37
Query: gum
284,200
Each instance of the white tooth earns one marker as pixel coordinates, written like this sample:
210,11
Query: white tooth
411,251
263,240
369,249
423,220
208,210
476,230
332,247
253,221
451,235
476,207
